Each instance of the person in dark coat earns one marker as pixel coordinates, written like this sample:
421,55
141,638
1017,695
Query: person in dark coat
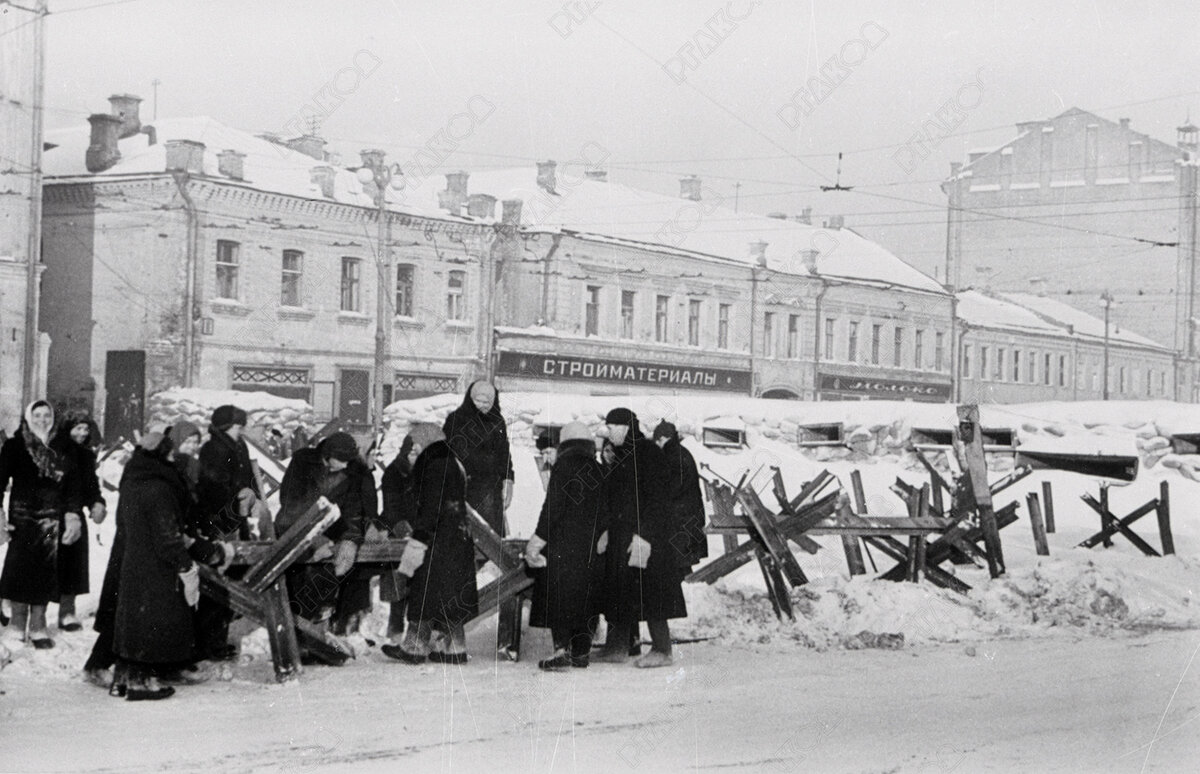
642,578
76,439
574,515
159,585
227,493
396,521
335,471
44,514
688,542
440,555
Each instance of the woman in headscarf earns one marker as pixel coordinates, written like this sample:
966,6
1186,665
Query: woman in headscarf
75,440
44,512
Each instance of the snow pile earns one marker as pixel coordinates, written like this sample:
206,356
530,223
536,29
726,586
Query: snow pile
262,408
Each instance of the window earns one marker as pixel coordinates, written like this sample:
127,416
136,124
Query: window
404,290
289,291
769,334
661,307
999,372
1016,365
1062,370
591,321
876,335
852,343
1046,362
964,368
227,269
456,291
983,363
723,326
829,338
1032,375
919,349
693,322
939,350
793,341
898,346
627,300
351,281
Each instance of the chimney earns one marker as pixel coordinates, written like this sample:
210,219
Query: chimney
599,175
546,178
1187,137
777,215
758,251
809,257
1028,126
510,212
185,156
230,164
836,222
805,216
125,107
455,195
1124,123
322,176
481,206
102,152
151,134
309,144
689,188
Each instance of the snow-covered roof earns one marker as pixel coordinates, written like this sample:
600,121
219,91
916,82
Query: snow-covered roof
267,166
1028,313
607,211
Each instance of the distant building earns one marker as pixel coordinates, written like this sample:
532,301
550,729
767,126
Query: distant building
21,53
1052,212
1020,348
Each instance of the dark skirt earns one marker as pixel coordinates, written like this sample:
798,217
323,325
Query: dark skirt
486,496
30,573
73,565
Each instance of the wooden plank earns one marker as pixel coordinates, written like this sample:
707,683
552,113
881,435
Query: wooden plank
897,551
507,586
1048,501
782,594
1105,516
763,559
1035,522
1164,519
1120,525
281,632
1012,478
772,539
939,482
296,541
724,564
854,558
860,496
780,491
809,491
488,542
968,445
963,533
321,643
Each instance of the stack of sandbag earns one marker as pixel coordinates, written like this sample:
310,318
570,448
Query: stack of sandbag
263,410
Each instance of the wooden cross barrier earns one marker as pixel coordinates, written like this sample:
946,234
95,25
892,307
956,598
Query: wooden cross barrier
1113,526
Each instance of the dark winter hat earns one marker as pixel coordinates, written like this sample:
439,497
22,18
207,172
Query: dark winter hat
543,442
665,430
183,429
225,417
340,446
620,416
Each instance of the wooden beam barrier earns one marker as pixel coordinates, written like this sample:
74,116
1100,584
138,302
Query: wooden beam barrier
1164,519
1048,501
968,446
1035,522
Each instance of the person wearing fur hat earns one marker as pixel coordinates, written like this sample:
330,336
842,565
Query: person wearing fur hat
567,591
45,509
153,630
333,470
439,557
642,578
227,493
76,438
689,542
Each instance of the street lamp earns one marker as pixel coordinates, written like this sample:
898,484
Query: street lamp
376,170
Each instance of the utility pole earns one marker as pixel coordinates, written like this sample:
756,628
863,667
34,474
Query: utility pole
737,189
953,189
1106,299
155,83
30,356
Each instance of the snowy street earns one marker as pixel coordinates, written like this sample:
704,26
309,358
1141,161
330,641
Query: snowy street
1065,703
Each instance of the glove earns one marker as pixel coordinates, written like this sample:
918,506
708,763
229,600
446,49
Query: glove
602,543
191,585
413,556
508,492
72,529
533,552
246,499
322,550
343,557
639,553
226,556
98,512
375,534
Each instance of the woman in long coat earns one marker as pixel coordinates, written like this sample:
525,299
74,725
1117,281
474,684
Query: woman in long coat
478,436
442,594
640,519
75,440
44,513
574,515
159,583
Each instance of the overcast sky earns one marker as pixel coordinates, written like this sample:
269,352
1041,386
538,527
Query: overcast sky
616,78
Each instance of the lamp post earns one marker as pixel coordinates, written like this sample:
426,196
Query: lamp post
376,170
1106,299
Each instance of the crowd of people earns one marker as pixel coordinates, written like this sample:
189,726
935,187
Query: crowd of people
620,526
